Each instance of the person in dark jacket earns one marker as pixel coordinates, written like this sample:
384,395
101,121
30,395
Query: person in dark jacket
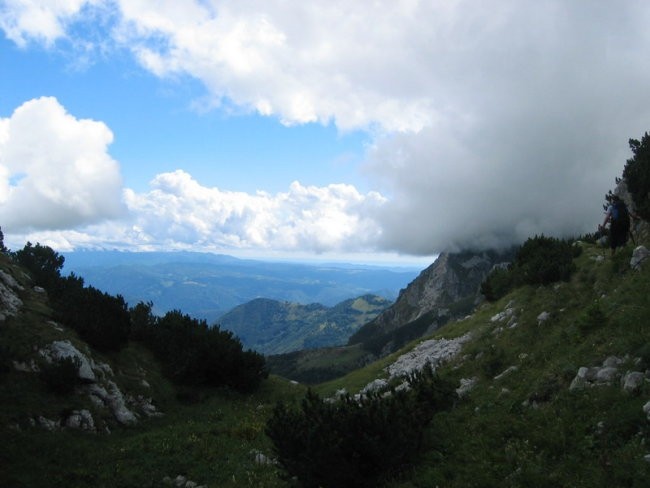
618,216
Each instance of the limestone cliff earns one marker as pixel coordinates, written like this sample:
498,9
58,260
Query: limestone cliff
448,289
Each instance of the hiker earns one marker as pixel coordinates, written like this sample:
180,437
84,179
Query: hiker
618,216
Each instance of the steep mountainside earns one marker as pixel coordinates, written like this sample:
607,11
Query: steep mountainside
553,382
448,289
273,327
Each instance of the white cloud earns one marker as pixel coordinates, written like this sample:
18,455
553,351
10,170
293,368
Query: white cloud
55,171
179,212
498,120
512,117
347,62
44,20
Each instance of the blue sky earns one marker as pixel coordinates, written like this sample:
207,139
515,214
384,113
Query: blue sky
364,131
157,127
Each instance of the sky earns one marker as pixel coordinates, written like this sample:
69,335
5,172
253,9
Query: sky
367,131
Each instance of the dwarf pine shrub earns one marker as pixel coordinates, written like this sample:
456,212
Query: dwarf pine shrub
356,442
540,260
61,376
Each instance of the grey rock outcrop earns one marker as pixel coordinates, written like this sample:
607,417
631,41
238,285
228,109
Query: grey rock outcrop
10,303
102,391
466,385
632,381
543,317
47,424
433,352
181,482
639,256
607,374
112,398
81,420
453,279
58,350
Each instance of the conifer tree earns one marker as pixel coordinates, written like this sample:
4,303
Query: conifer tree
637,175
2,241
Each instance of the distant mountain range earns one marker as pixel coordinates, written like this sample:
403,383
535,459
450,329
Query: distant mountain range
207,285
274,327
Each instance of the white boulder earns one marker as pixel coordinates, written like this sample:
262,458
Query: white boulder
58,350
639,255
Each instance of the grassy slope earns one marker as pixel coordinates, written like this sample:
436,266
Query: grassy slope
210,441
596,437
592,438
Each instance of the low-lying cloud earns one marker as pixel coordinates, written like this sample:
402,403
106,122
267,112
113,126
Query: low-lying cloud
179,210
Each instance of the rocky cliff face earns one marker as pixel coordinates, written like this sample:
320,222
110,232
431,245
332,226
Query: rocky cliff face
448,289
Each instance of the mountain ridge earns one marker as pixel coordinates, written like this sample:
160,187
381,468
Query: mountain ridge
207,286
446,290
275,327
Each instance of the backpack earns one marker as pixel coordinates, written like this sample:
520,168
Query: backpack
621,216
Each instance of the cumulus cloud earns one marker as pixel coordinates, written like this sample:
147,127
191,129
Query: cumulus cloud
179,211
43,20
494,121
55,171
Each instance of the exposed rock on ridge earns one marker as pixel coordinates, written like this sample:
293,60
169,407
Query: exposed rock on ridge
446,290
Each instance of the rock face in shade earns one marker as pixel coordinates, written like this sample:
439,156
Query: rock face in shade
448,289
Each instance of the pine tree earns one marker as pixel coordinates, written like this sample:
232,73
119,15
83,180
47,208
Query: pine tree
637,175
2,241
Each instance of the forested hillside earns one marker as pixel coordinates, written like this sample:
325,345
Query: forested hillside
273,327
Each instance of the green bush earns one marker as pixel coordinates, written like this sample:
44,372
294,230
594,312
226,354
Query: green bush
102,320
544,260
357,442
5,360
592,318
497,284
193,353
2,241
43,263
61,376
539,261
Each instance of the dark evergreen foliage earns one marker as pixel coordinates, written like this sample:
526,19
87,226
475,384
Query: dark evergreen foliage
101,319
637,175
193,353
543,260
190,351
539,261
498,283
61,376
6,364
2,241
358,443
43,263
